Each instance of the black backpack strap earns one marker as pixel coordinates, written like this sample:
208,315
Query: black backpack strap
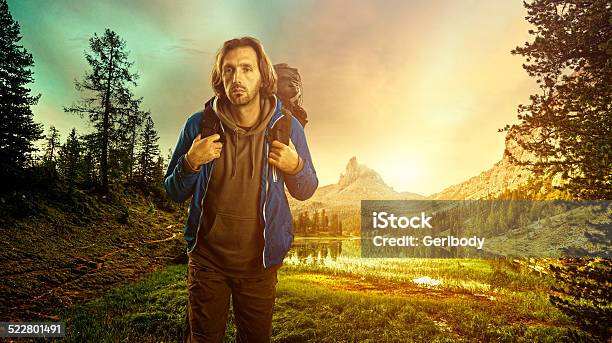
210,122
281,131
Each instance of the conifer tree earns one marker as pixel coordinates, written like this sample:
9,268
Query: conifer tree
584,293
568,124
52,147
148,154
91,159
70,160
18,130
107,98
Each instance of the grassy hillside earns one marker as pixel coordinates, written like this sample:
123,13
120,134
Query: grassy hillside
58,248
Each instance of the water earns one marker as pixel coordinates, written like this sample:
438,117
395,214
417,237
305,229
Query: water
322,251
308,250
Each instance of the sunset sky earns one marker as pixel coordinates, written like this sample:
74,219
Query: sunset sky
415,89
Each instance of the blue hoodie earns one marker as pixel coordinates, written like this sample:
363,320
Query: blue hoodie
181,183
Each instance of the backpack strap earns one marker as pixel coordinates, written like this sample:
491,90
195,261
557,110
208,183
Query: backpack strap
281,131
210,122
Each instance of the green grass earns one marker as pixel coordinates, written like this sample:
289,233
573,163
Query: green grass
372,301
153,307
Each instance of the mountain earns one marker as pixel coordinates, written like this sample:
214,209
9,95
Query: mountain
504,175
358,182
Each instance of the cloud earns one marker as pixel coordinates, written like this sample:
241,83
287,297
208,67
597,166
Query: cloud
397,83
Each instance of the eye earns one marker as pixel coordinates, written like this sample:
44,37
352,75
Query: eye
227,69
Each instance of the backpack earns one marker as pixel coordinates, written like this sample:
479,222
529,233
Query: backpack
290,91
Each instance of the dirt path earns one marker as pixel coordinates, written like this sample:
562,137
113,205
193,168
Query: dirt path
360,284
487,302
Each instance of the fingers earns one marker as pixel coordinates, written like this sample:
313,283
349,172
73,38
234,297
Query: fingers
277,151
213,137
273,162
277,144
274,156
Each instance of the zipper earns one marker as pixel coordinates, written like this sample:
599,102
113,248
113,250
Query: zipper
267,145
263,253
201,209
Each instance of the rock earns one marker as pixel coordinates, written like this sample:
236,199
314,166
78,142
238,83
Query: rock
355,171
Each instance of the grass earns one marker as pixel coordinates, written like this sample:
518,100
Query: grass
67,249
370,302
91,247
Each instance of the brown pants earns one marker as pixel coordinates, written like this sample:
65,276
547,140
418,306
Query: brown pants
209,299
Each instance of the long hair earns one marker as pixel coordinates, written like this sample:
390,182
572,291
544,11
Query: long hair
266,69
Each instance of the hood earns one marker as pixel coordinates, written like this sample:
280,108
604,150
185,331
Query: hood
236,133
222,109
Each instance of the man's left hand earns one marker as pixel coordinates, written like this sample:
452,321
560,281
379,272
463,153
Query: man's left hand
284,157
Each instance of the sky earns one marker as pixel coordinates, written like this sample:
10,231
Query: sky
416,90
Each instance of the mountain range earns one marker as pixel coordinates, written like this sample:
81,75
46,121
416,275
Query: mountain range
360,182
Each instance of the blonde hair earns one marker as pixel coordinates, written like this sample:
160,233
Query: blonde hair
266,69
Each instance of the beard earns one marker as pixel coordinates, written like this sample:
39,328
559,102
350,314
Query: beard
242,98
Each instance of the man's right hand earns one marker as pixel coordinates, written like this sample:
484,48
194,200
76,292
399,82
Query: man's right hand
203,150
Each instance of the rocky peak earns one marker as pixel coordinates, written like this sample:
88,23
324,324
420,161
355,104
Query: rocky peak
355,171
504,175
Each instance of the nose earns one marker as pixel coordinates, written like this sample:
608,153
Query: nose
237,76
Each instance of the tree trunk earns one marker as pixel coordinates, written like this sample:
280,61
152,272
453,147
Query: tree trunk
105,127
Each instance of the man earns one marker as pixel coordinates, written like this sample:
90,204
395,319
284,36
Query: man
239,226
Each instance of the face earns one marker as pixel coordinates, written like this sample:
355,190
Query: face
241,76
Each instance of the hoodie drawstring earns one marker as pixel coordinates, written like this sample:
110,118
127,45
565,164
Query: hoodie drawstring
235,153
252,153
252,159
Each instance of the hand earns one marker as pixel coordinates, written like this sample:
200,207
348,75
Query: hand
203,150
284,157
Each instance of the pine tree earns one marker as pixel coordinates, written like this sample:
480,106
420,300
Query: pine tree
586,291
133,125
52,147
70,160
315,221
569,122
334,224
158,172
107,98
17,127
124,141
149,152
324,220
571,132
91,158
